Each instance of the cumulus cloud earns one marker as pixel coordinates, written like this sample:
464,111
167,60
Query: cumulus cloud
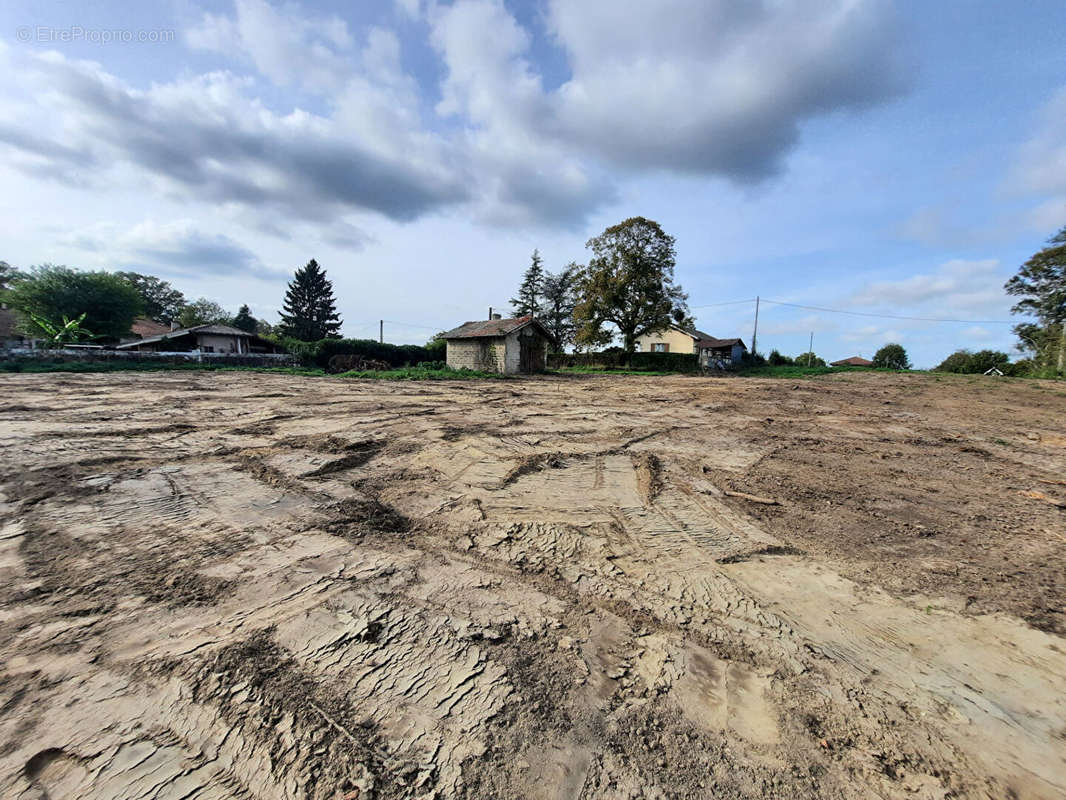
1040,167
284,44
177,247
705,87
957,287
206,139
695,86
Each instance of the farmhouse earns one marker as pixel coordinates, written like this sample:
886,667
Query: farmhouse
854,361
205,339
711,350
509,346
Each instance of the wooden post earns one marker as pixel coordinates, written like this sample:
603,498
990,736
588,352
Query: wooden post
381,331
810,350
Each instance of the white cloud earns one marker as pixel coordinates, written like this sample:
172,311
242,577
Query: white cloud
969,288
1041,164
175,247
285,45
718,87
706,87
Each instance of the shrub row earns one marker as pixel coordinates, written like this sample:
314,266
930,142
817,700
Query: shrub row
611,359
318,354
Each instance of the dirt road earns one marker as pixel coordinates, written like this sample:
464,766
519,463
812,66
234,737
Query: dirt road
245,585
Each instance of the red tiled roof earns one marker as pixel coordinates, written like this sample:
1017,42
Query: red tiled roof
493,327
854,361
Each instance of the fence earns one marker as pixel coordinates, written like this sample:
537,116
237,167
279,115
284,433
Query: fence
93,356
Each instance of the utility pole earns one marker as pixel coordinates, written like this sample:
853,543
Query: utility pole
755,333
381,331
810,350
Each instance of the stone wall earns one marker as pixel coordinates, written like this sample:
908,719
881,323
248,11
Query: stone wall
483,355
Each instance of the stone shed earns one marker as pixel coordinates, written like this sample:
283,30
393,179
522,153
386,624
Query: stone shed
510,346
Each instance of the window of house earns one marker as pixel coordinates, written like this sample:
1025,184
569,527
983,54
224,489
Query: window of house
207,349
660,347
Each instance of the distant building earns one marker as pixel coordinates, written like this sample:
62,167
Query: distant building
509,346
144,328
711,350
854,361
10,335
212,338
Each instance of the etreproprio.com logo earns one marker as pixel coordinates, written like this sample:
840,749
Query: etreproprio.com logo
76,33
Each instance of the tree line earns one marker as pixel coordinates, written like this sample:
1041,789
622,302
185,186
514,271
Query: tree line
627,290
627,287
64,305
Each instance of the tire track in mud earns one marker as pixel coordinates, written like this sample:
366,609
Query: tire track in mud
560,633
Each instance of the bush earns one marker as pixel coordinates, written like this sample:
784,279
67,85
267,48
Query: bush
434,365
318,354
616,358
776,359
892,356
803,358
965,362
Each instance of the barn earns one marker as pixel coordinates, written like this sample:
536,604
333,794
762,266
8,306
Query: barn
510,346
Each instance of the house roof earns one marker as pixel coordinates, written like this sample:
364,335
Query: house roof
214,328
493,327
144,327
711,343
705,341
854,361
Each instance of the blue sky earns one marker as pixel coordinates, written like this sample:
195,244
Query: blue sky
885,158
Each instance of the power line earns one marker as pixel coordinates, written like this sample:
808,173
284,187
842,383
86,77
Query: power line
728,303
412,325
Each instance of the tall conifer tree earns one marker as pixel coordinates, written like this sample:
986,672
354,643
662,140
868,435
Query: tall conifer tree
310,312
531,290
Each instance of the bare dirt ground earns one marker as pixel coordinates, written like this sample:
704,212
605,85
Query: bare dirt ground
249,585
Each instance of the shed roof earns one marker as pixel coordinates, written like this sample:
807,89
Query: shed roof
494,327
211,328
854,361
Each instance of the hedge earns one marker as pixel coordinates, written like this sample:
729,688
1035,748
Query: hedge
652,362
318,354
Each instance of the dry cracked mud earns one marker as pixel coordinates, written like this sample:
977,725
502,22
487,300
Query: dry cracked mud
262,586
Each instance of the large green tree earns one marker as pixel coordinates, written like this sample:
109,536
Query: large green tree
966,362
892,356
629,282
162,302
1041,285
529,293
203,312
559,301
309,312
50,293
244,320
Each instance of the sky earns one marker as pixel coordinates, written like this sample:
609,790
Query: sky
886,159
